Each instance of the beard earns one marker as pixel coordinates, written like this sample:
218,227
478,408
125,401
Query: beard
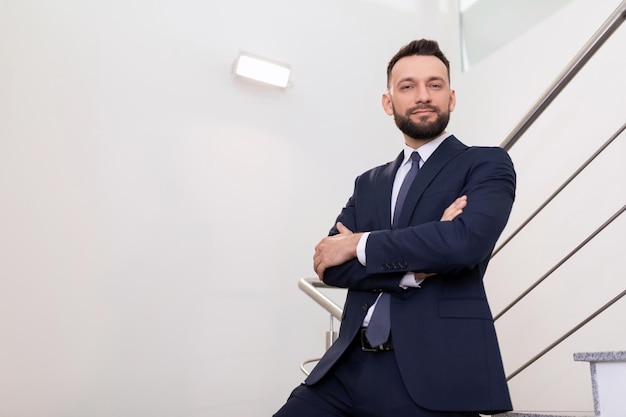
422,130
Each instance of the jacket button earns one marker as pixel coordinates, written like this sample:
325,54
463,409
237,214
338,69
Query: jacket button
365,307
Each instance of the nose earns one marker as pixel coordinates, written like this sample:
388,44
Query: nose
422,95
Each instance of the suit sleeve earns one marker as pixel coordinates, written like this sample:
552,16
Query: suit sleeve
431,245
353,274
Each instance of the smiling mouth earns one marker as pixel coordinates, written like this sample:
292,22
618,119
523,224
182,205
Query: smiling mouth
423,114
423,111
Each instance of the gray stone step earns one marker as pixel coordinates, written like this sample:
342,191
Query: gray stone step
551,414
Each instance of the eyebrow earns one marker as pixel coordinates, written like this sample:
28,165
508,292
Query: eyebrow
412,79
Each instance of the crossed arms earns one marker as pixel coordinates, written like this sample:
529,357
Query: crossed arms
340,248
485,175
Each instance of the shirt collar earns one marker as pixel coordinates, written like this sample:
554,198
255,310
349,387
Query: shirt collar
426,150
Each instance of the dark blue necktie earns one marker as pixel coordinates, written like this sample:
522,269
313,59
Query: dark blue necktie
406,184
379,326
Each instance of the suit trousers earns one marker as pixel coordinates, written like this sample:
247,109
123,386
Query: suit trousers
361,384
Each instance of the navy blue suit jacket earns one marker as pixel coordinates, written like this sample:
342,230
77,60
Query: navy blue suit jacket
443,333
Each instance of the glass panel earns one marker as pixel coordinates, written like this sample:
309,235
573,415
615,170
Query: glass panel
486,25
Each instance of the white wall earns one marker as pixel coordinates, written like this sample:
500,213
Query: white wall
156,213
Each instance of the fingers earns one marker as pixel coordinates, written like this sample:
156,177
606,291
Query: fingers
319,271
422,275
322,258
317,264
449,214
454,209
343,229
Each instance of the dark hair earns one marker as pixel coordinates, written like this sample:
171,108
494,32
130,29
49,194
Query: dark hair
420,47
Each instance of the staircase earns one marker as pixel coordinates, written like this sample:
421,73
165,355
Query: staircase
608,383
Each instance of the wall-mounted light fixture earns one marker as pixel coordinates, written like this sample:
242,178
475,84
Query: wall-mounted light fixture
263,70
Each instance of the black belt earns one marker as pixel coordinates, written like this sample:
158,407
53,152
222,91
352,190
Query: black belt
366,347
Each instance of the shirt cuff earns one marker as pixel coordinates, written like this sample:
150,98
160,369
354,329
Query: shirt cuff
360,248
408,280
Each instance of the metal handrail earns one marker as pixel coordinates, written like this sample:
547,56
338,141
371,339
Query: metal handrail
306,362
558,190
566,335
310,285
589,49
561,262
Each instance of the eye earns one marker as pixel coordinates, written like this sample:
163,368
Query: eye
406,87
436,86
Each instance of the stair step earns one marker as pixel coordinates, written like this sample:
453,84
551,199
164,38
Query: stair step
548,414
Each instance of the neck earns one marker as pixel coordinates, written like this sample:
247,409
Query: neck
416,143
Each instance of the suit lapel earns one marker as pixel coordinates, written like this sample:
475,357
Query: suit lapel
448,149
383,191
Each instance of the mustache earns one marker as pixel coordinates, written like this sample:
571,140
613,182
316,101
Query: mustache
423,107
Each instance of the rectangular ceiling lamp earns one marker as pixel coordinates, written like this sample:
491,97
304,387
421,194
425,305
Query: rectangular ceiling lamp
262,70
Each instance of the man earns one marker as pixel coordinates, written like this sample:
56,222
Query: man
423,265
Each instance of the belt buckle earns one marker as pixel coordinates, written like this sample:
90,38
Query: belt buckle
365,345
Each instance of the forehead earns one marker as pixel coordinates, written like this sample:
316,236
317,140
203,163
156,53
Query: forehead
419,67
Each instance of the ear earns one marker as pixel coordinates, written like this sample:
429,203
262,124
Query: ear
452,100
387,104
